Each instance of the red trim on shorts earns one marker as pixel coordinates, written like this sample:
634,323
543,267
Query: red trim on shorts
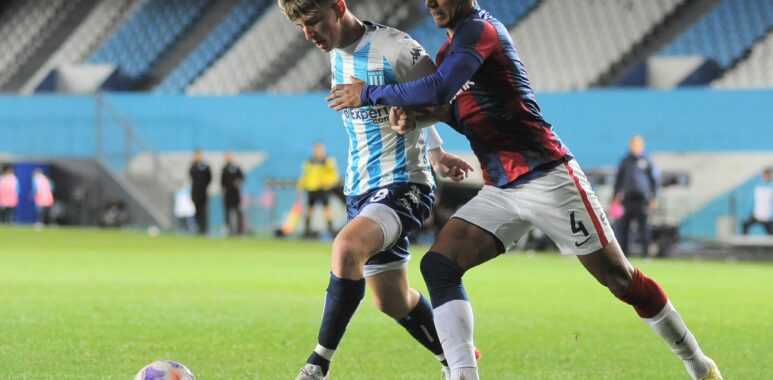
591,212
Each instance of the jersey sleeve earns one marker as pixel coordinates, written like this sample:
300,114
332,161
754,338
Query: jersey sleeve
476,37
433,138
408,59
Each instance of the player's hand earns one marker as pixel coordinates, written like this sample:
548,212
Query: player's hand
402,120
344,96
450,166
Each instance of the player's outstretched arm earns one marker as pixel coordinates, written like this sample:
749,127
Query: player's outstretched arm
433,90
448,165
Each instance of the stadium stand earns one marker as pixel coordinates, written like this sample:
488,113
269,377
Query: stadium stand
508,12
267,43
726,33
312,71
568,45
755,71
85,39
46,42
233,46
21,27
219,41
152,30
261,55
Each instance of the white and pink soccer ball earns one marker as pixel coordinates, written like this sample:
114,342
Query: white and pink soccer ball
165,370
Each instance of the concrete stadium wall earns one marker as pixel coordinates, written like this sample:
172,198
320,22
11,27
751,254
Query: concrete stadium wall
596,125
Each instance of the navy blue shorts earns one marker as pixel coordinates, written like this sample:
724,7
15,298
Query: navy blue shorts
412,203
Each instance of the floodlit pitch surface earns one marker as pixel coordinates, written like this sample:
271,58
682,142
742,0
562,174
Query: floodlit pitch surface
89,304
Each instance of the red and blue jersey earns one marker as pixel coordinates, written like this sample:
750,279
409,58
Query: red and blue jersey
493,104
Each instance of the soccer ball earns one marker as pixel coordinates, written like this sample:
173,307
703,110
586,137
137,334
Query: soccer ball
165,370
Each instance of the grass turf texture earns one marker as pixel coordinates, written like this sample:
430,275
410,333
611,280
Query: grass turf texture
86,304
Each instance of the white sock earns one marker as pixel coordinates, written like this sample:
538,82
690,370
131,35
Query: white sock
454,323
668,324
466,373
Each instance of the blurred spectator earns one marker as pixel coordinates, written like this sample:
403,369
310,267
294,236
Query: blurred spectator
636,187
231,179
320,175
9,194
184,209
43,195
763,204
201,176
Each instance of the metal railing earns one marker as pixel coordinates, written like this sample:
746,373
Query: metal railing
117,144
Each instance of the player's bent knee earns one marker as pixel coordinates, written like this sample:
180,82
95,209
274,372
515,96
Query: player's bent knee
645,295
443,278
349,252
618,283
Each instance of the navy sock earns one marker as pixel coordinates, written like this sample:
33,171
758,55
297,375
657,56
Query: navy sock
443,278
421,326
343,298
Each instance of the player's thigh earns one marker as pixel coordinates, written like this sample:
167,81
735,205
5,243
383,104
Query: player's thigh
466,244
483,228
563,205
360,239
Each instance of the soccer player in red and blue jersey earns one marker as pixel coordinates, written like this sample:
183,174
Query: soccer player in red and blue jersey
531,179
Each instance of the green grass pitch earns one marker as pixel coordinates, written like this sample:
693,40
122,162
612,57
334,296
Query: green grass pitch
87,304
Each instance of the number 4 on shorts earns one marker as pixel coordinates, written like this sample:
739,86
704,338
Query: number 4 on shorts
577,226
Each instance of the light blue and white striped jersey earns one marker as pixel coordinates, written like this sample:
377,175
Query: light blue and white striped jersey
377,155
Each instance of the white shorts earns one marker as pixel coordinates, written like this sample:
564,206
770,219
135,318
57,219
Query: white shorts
561,203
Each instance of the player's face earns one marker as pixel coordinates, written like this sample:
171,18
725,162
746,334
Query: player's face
323,28
445,12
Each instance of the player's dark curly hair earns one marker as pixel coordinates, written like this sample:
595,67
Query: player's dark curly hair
297,10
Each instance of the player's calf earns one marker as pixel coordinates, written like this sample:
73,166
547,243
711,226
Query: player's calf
453,313
651,303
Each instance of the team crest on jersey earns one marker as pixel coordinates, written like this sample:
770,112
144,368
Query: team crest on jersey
376,78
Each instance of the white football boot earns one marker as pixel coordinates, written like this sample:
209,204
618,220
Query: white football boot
311,372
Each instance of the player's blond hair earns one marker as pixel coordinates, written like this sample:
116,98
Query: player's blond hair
297,10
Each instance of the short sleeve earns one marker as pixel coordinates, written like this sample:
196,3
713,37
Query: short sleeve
407,57
434,140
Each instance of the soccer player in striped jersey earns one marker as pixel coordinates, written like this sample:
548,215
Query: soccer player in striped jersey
531,179
389,185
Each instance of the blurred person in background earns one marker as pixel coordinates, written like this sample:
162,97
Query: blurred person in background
763,204
43,195
636,187
231,180
9,194
184,209
319,176
201,176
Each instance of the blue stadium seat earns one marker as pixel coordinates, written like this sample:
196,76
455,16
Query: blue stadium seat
147,35
726,32
240,18
508,12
